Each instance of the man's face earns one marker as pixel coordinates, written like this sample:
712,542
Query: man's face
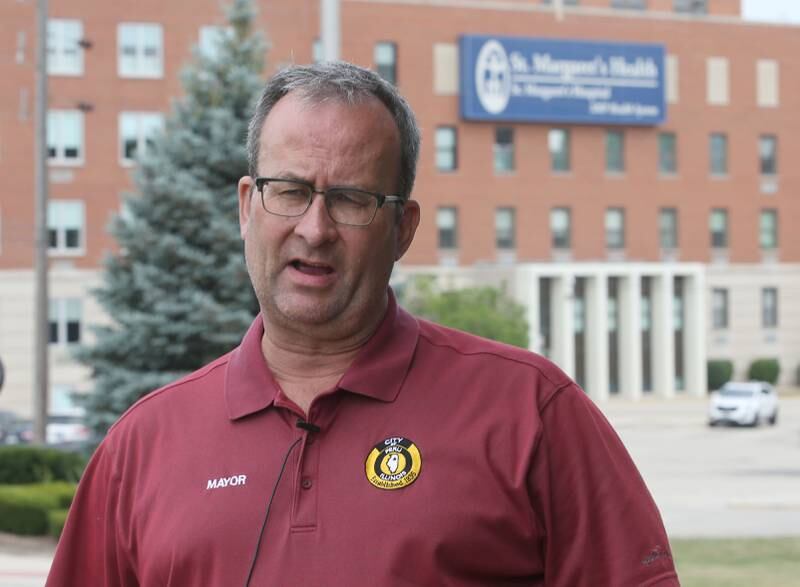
308,270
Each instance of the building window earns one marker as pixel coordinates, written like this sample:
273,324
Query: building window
561,228
386,61
668,228
66,221
717,92
65,137
719,308
447,226
718,153
667,153
615,228
503,149
615,151
768,225
212,39
718,225
767,83
672,79
629,4
446,148
558,144
64,52
136,131
140,50
768,154
504,228
769,307
691,6
65,320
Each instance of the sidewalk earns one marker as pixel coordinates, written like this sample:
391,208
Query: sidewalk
24,561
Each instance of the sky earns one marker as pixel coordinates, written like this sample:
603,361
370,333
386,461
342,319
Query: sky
772,10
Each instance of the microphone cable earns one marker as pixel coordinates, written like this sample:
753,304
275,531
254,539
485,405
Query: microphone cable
304,426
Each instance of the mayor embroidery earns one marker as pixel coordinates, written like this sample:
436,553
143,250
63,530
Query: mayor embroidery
393,463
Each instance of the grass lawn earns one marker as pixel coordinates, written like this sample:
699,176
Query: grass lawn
767,562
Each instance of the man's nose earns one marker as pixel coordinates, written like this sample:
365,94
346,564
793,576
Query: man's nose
316,226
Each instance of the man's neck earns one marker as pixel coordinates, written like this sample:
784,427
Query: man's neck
306,365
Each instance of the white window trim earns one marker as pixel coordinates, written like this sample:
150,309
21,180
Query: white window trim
59,160
60,250
122,70
61,321
141,138
56,65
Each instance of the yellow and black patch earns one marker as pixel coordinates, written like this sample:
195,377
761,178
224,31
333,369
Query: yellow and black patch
394,463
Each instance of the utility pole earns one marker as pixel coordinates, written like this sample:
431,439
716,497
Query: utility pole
330,28
41,335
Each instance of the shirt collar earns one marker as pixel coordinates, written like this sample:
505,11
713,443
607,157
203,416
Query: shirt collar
378,370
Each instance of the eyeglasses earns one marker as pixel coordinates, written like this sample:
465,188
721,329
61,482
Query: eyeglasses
350,206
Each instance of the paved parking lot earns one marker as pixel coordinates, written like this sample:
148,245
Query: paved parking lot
720,481
727,482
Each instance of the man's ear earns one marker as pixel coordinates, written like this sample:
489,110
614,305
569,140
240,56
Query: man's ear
407,228
246,188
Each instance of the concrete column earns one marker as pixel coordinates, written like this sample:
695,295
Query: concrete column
597,337
694,335
562,322
630,336
526,292
663,341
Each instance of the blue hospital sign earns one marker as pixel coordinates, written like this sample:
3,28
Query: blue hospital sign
545,80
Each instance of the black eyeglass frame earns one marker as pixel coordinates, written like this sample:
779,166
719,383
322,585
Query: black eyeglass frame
260,182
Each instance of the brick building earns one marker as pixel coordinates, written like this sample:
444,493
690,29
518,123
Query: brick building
648,247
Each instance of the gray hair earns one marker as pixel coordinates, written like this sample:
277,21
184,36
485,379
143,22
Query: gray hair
350,84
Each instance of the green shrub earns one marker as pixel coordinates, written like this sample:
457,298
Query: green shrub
55,522
719,372
764,370
25,509
34,464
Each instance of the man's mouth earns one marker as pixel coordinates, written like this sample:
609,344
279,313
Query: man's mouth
311,268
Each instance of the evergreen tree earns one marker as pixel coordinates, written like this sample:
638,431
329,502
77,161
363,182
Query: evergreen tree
178,293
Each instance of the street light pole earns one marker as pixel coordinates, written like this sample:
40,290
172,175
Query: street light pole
41,335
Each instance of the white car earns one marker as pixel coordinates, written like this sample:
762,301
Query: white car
746,403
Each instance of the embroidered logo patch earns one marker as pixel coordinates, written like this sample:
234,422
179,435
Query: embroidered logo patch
393,463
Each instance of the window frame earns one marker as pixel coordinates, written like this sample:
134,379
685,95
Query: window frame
724,241
505,242
140,120
447,237
58,39
667,152
769,307
768,167
451,150
770,243
60,229
503,152
140,66
671,230
59,321
388,71
720,308
720,139
561,239
615,237
560,160
56,127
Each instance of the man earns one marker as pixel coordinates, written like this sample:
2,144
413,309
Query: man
345,442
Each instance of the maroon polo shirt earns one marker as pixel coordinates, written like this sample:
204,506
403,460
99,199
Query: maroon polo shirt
442,459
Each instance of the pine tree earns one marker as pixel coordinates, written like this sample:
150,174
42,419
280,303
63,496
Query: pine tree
178,293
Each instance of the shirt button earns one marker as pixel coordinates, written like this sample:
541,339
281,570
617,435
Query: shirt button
306,483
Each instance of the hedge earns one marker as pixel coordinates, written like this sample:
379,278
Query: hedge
55,522
718,372
33,464
26,509
764,370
